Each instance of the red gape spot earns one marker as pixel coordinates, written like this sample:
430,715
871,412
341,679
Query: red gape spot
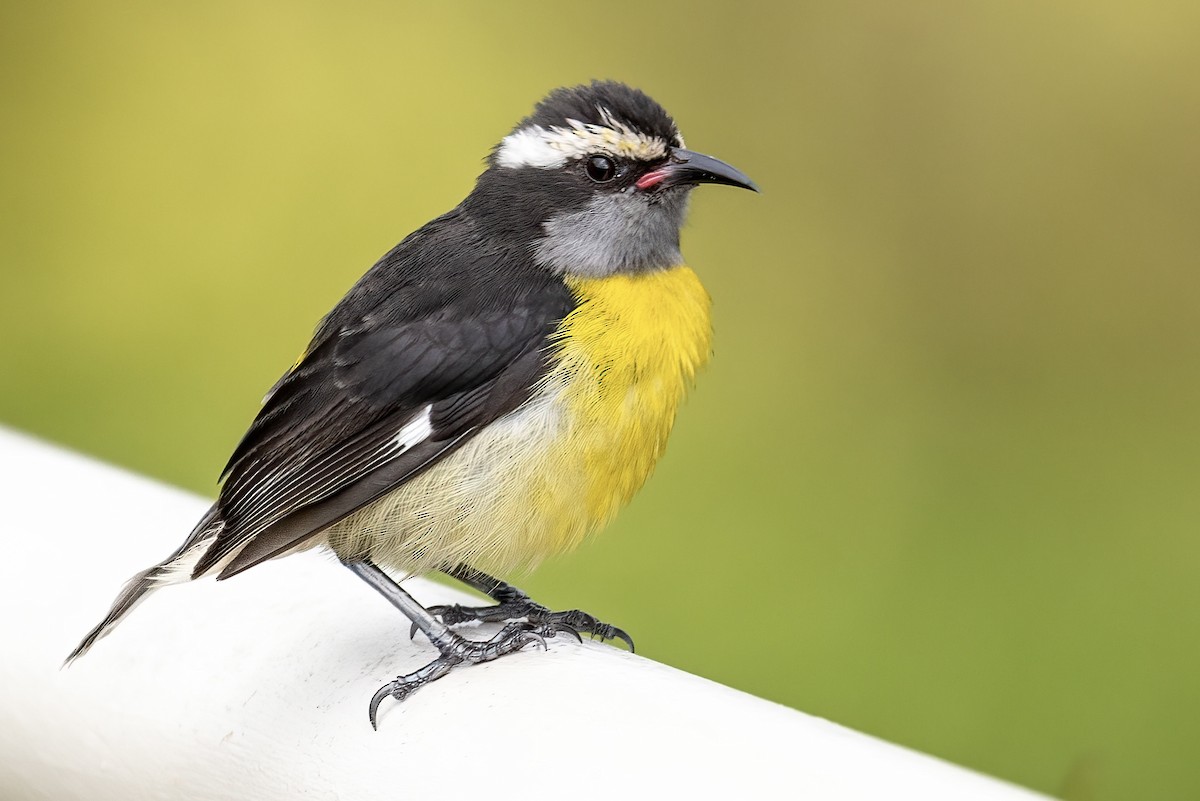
651,179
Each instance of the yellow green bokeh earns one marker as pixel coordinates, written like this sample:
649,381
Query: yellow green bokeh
940,483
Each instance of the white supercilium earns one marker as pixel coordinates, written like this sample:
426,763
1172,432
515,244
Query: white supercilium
550,148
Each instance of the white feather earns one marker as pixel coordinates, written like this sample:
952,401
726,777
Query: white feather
179,569
550,148
530,147
416,430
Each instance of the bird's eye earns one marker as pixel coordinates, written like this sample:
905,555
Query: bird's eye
601,169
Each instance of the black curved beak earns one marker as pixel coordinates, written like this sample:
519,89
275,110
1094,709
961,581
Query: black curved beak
687,167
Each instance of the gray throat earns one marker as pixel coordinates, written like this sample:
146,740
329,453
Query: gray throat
615,233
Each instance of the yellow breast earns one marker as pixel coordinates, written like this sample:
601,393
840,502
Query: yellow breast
627,355
540,479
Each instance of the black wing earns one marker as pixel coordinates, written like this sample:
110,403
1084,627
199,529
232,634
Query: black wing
441,337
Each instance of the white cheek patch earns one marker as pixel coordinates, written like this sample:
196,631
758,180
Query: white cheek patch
550,148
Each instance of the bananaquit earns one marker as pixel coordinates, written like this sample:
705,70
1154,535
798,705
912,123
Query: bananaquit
493,390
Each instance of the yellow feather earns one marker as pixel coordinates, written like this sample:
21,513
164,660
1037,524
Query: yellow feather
629,351
538,481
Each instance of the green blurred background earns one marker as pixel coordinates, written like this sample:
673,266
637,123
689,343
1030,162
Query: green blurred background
940,481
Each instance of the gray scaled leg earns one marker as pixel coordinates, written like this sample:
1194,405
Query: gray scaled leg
455,650
512,604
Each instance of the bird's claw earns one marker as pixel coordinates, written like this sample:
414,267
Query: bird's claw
531,638
582,621
456,650
577,621
397,689
551,629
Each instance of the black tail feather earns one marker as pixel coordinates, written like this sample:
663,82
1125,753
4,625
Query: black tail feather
140,585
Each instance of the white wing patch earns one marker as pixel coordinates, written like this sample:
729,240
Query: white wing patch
416,430
550,148
278,496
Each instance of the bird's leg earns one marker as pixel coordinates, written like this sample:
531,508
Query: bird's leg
455,650
512,604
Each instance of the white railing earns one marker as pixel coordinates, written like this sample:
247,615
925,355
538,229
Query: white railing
257,687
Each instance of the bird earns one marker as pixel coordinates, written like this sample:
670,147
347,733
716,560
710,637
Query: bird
490,393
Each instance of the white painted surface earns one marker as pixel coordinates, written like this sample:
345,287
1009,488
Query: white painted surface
257,687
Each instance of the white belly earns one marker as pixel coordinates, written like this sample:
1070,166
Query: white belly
502,500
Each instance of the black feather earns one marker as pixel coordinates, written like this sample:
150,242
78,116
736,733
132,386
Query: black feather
627,105
453,319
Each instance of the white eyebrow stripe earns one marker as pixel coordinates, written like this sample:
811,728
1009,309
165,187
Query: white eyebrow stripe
550,148
531,147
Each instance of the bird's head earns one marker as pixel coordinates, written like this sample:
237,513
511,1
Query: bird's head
595,181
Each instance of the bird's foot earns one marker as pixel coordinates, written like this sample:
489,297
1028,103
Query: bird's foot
457,650
522,607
